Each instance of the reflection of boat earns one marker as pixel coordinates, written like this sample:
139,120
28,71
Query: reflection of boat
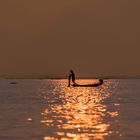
89,85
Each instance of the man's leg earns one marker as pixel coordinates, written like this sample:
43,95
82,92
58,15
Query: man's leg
69,81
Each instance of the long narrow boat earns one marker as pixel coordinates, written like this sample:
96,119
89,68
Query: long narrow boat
89,85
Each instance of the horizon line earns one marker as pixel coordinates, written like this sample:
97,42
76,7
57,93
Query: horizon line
78,77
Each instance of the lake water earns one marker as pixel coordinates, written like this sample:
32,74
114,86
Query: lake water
49,110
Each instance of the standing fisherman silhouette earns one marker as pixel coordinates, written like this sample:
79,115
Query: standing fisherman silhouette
71,76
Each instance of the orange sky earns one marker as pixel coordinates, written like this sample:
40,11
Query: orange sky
47,38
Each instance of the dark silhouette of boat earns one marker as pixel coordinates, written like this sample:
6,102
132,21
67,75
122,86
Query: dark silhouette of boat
89,85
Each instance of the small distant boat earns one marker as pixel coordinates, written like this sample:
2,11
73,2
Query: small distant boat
13,82
89,85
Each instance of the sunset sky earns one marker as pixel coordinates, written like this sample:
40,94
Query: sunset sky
47,38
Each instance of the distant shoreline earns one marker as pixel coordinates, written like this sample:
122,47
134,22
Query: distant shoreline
57,78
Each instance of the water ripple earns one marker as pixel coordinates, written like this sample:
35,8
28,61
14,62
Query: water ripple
76,113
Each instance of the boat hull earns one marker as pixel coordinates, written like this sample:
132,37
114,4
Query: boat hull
90,85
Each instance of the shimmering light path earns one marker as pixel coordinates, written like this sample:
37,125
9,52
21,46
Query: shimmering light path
49,110
78,113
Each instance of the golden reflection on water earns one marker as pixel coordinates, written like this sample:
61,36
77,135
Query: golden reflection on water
77,113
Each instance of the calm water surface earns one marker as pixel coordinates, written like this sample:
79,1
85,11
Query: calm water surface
49,110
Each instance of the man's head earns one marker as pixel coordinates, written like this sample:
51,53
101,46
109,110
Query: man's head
71,71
